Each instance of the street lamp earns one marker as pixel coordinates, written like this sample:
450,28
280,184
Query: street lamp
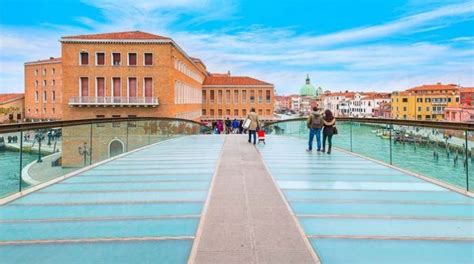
39,137
84,151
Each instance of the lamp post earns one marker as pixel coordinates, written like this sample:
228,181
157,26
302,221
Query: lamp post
84,151
39,137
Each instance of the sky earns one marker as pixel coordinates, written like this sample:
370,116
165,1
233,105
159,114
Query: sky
363,45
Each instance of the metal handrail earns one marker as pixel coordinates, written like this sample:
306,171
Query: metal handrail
430,124
9,128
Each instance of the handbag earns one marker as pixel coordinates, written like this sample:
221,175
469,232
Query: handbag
246,124
334,131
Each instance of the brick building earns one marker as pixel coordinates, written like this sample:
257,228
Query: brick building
226,96
43,89
134,74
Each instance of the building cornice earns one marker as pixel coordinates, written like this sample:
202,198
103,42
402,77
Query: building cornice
238,86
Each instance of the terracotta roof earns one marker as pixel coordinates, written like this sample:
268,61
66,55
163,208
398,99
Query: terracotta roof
434,87
118,35
345,94
219,74
5,98
232,80
371,96
467,90
50,60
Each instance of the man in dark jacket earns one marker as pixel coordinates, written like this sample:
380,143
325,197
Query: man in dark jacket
315,123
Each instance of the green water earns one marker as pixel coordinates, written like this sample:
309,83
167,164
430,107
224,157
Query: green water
10,170
415,158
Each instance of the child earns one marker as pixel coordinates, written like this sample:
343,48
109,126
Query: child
261,136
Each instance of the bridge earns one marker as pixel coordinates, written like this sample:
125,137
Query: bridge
167,191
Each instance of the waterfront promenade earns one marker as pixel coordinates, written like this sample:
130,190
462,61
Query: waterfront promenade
218,199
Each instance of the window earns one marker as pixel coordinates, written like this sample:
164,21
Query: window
244,112
36,83
449,100
419,100
36,97
252,96
405,100
236,112
219,112
53,96
132,87
404,108
260,97
148,87
44,82
54,110
54,82
132,59
100,87
227,112
44,72
116,87
267,112
44,110
268,96
211,96
203,112
260,111
100,58
116,124
132,123
219,96
203,96
427,108
116,59
227,97
244,96
45,96
211,112
36,72
84,58
148,59
427,100
419,108
53,72
236,96
84,86
457,99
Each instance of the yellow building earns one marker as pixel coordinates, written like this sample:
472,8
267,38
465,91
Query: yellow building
426,102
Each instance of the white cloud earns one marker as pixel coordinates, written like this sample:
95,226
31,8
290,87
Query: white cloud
357,59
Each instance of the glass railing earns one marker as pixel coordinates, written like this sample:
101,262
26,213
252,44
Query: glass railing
438,150
34,153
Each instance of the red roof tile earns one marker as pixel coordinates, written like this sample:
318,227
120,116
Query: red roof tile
232,80
50,60
467,90
4,98
434,87
118,35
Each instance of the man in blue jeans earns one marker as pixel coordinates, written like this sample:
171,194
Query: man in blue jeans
315,124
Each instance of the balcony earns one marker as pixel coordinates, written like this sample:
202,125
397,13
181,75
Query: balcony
113,101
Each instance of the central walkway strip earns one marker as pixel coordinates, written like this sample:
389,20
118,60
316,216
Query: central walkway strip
355,210
141,208
247,219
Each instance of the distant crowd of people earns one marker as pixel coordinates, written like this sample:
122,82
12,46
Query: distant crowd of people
228,126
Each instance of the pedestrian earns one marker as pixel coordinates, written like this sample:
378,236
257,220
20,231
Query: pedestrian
241,126
315,124
254,124
235,126
220,126
329,129
228,125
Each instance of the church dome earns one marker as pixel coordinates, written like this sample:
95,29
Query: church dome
308,89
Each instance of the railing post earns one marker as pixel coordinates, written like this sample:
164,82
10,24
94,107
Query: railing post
466,160
390,135
90,144
21,160
351,133
126,144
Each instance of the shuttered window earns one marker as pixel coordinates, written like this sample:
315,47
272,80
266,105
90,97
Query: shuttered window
84,86
132,87
84,58
100,86
132,59
116,84
148,59
100,58
148,87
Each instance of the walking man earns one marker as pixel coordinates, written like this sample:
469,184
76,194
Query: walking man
253,125
315,123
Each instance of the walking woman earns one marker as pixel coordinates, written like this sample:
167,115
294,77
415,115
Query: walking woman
253,125
328,130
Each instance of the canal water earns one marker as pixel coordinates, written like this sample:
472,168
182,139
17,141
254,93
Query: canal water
10,170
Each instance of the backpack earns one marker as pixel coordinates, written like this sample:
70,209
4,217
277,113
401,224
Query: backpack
316,122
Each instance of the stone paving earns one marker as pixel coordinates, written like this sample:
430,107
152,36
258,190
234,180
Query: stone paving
247,220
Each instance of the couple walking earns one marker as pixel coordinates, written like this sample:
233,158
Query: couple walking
317,122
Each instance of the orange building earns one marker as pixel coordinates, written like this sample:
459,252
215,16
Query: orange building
43,89
225,96
134,74
12,107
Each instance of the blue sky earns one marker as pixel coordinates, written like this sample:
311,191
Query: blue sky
361,45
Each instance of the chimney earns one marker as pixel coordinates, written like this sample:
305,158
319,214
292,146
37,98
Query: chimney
228,73
51,58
